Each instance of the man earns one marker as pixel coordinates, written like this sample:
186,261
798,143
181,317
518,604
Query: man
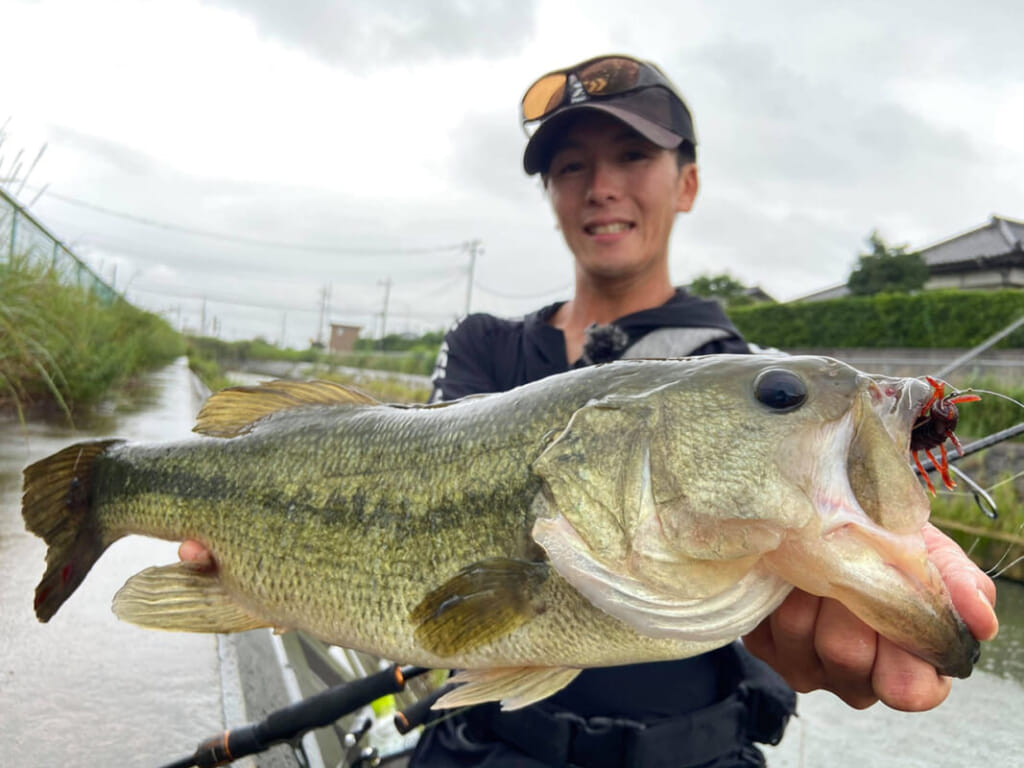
615,145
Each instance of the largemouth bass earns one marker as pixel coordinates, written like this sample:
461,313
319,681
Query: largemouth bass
629,512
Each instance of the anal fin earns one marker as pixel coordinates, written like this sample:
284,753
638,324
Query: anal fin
182,597
514,687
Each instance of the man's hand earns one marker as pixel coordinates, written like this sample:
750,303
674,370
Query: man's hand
816,643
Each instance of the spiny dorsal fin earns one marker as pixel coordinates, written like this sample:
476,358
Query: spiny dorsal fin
233,411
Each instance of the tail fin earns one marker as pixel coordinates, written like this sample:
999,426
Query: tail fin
56,506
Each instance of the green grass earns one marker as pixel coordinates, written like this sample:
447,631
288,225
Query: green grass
992,544
386,390
65,347
417,359
993,413
28,368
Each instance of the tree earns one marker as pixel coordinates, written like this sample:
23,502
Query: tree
887,269
723,287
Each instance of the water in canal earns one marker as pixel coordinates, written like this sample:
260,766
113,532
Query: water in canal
88,690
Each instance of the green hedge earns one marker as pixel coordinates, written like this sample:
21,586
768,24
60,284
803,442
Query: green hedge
940,319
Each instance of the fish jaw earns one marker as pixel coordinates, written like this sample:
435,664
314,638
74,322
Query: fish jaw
865,548
887,581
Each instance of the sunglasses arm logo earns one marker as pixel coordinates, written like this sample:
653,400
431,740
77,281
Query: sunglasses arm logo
577,93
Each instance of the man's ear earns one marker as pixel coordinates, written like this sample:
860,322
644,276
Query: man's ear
687,187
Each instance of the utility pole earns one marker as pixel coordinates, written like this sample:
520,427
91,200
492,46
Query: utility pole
475,247
325,298
384,313
202,319
284,328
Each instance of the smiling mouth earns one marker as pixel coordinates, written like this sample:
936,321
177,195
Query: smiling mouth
611,228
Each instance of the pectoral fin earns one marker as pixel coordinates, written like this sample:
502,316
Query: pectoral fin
481,603
183,598
515,687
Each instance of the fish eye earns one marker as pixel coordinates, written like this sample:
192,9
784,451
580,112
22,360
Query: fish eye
780,390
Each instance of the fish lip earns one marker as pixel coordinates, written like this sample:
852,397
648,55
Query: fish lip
898,403
954,650
962,663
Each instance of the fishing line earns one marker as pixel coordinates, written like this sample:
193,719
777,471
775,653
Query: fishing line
999,569
993,394
981,497
997,574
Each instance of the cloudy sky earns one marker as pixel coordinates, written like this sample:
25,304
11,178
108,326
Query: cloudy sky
250,157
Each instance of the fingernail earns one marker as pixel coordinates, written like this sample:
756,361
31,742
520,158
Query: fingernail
995,619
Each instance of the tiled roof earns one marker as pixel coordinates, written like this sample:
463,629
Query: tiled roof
833,292
998,236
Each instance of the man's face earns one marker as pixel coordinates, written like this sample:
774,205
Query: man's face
615,195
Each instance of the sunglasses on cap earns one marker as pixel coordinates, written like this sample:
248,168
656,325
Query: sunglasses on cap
597,78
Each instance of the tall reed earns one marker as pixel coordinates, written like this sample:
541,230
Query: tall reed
64,345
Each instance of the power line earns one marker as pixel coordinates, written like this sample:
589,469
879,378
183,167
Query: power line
254,270
311,308
501,295
225,299
242,240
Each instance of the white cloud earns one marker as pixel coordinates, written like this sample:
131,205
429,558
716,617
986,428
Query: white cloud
367,126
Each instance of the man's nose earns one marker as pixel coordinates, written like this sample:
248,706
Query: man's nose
605,182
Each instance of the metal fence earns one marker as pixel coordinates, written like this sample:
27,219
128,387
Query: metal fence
25,242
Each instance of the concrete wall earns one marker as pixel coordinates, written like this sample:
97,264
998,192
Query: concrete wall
1005,365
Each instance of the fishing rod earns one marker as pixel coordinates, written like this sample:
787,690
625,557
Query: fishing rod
289,723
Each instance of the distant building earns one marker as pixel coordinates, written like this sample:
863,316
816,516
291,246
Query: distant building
758,295
989,257
343,338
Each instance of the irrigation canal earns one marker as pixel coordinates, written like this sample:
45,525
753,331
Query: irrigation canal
88,690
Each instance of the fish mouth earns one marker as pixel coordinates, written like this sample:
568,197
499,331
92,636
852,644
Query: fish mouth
865,547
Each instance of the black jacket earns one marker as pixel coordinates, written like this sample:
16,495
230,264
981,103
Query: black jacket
484,353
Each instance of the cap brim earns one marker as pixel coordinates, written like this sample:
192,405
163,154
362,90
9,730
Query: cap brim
539,148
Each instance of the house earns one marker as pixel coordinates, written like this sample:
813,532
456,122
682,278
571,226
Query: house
989,257
343,338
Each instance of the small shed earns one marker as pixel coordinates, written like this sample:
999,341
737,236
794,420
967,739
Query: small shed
343,338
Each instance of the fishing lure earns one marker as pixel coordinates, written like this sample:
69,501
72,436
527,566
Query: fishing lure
935,423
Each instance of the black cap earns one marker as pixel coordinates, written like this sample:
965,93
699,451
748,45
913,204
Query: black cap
655,112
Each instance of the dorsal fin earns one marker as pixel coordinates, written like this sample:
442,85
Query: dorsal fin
233,411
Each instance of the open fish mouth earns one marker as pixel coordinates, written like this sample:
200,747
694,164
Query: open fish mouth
869,552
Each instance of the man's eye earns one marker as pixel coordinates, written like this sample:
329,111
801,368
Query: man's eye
569,167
